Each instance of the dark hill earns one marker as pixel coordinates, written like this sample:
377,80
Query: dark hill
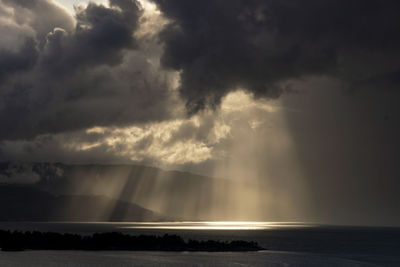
175,193
25,203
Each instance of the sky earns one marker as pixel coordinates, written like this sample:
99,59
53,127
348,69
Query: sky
300,97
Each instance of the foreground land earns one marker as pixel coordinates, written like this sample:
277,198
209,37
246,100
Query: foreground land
18,241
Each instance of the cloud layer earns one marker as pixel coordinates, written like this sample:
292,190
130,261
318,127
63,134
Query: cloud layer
101,67
59,73
258,45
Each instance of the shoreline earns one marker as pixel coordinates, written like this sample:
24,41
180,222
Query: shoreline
12,241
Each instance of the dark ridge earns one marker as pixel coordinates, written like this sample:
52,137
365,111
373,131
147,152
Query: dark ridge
61,179
26,203
19,241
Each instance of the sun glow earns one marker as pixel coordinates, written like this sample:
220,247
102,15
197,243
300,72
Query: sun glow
211,225
246,186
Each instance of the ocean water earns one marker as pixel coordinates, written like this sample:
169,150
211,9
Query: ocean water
286,244
84,259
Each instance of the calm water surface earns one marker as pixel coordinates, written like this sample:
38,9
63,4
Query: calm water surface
287,244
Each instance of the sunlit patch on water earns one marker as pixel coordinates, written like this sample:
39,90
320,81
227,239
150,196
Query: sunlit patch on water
231,225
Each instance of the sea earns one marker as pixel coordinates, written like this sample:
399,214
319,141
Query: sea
284,243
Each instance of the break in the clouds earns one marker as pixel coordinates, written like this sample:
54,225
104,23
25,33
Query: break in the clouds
169,143
260,44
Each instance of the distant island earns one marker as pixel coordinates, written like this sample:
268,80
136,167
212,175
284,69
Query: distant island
19,241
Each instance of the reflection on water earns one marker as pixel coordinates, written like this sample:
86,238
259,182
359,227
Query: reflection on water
379,245
229,225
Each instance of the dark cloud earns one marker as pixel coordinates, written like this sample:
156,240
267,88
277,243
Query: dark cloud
24,29
258,44
92,71
100,36
21,60
65,77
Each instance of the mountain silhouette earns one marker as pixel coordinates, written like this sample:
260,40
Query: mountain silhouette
26,203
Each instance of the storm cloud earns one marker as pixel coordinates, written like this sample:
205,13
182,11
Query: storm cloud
94,69
259,45
61,73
